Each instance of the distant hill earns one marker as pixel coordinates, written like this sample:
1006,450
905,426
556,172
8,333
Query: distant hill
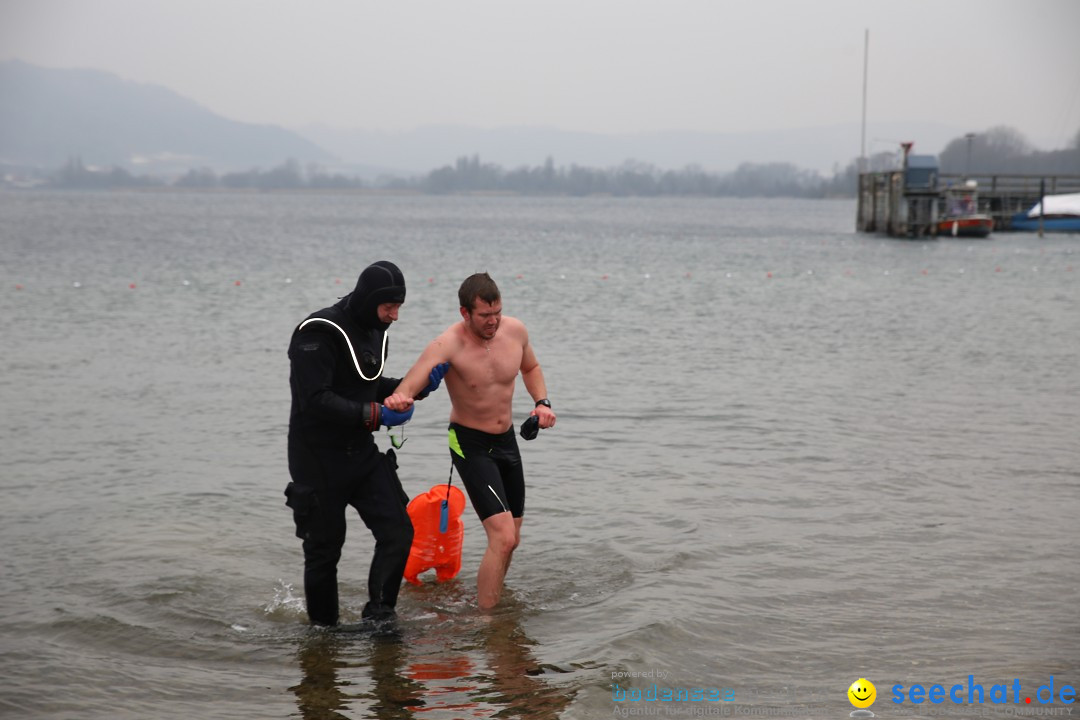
49,115
813,148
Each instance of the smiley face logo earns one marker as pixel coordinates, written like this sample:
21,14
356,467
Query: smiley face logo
862,693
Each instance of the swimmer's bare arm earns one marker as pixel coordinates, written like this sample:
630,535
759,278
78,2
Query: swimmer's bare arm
440,350
533,377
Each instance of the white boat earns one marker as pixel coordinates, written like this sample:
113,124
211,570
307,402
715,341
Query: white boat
1060,214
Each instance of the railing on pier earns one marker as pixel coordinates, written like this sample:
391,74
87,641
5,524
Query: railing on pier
1002,196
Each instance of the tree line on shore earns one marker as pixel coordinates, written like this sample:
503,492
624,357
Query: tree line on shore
470,175
998,151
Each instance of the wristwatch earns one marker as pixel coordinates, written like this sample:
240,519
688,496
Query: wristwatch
544,402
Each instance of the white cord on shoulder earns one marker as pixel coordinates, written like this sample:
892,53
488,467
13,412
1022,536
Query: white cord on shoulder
348,342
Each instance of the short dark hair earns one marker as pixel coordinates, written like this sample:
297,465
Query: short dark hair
479,285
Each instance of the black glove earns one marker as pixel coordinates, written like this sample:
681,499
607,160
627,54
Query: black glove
530,427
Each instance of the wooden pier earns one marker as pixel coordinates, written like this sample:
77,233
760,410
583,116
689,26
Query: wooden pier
908,203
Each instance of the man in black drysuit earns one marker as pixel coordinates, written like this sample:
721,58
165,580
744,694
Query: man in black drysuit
337,357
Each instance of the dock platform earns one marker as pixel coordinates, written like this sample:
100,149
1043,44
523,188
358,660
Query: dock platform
908,203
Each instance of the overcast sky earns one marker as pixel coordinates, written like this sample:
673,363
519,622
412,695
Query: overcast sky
608,66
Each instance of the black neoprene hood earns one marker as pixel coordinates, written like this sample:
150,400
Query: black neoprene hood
379,283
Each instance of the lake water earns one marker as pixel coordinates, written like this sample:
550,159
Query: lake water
788,456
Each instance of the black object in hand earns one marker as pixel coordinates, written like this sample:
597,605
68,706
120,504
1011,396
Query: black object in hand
530,427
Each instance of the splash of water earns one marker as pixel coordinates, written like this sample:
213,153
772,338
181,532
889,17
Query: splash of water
285,601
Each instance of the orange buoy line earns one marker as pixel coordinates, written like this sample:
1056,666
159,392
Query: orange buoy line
687,275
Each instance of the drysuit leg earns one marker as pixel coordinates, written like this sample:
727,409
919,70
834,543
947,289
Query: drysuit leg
318,498
320,580
382,502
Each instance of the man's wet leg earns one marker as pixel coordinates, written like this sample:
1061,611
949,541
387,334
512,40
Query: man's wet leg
503,532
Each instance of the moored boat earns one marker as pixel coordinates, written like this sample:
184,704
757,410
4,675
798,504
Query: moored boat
1062,214
961,217
974,225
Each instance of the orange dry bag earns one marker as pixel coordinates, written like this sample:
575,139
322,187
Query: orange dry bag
438,533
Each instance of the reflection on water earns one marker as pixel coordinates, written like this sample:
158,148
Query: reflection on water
326,660
319,694
514,681
449,663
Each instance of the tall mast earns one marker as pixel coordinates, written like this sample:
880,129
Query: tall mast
865,69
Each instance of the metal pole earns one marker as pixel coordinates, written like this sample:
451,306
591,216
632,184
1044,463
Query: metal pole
865,68
967,170
1042,204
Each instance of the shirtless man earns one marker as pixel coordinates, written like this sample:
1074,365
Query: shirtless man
486,351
